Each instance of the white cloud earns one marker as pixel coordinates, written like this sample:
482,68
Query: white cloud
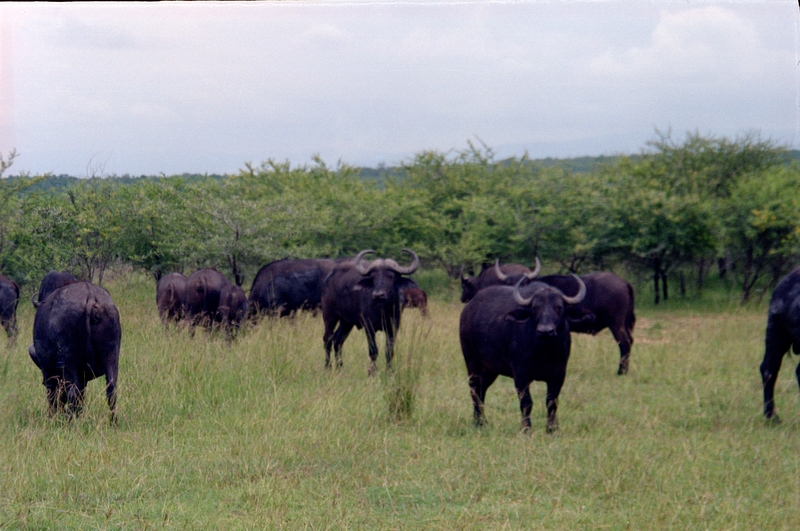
709,43
326,36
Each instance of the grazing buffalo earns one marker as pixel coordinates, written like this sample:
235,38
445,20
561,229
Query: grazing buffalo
608,304
232,309
522,333
412,296
51,282
783,332
285,286
506,275
170,296
9,299
363,294
76,338
203,288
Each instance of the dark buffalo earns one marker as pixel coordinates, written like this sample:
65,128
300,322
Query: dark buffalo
783,332
363,294
497,275
412,296
608,304
521,333
203,288
76,338
170,297
285,286
232,309
9,299
51,282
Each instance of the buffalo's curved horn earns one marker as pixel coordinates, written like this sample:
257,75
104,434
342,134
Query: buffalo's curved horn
461,274
357,261
405,270
35,303
533,274
581,292
518,298
502,276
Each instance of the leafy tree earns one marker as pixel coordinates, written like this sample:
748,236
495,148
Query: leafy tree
651,222
762,226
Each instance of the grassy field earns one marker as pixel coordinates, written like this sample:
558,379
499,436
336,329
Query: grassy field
260,436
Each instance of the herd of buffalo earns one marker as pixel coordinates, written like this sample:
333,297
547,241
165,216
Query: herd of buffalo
515,323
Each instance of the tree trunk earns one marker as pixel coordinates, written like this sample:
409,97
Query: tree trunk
682,279
237,276
701,274
722,265
664,284
656,273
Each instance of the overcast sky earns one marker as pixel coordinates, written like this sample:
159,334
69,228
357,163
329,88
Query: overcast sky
205,87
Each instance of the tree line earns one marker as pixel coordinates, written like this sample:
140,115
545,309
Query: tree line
674,212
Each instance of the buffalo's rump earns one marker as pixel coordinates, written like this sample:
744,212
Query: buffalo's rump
78,327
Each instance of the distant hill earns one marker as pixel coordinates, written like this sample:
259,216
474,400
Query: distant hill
56,183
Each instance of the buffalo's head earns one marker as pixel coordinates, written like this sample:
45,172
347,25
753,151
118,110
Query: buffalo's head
381,275
469,288
546,307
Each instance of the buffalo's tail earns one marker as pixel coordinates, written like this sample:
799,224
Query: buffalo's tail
205,313
175,305
93,317
630,319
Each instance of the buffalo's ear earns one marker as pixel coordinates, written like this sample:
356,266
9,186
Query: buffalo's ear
777,306
518,315
34,356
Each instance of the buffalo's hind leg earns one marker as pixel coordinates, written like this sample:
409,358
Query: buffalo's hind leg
111,392
478,384
338,340
624,341
327,340
12,331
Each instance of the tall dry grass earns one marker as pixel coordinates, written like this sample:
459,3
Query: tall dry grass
260,436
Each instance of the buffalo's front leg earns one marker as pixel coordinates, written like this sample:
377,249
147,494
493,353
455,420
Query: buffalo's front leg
478,384
777,343
389,348
373,350
75,387
553,390
53,385
525,401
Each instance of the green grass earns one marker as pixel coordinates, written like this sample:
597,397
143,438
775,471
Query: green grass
260,436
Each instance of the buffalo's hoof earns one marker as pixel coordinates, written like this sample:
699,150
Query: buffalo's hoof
622,370
774,419
552,427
